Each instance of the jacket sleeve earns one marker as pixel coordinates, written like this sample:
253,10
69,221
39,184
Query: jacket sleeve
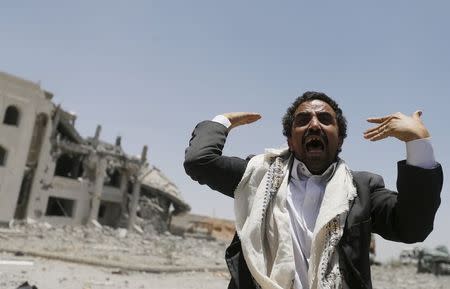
204,161
406,216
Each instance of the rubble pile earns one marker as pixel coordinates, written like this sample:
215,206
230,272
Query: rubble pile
112,246
398,276
29,240
153,218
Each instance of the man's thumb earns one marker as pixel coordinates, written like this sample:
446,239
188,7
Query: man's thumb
417,114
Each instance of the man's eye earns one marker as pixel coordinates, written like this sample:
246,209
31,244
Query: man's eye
325,119
302,120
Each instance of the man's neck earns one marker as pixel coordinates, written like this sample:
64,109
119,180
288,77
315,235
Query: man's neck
300,170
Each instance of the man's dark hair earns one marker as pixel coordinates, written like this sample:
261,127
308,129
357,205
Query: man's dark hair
288,118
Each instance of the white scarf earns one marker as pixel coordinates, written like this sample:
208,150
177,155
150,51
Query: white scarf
263,223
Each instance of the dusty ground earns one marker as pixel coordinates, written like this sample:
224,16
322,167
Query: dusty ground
62,257
398,277
52,274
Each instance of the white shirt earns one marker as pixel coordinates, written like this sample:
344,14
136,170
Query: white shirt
305,193
304,197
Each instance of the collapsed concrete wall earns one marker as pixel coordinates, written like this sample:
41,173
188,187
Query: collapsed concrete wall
202,227
49,172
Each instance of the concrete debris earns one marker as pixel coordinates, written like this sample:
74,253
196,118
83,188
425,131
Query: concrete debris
119,272
198,226
26,286
10,232
138,229
99,283
121,232
153,217
16,263
96,224
31,221
155,183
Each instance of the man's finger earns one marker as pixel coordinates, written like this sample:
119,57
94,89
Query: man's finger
371,130
383,119
370,134
384,123
381,129
240,115
378,119
379,136
375,128
252,117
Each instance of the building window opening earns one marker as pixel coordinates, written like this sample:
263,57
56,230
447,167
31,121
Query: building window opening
109,214
60,207
112,178
11,116
69,166
2,156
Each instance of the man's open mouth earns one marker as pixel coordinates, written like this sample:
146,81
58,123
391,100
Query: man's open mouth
314,144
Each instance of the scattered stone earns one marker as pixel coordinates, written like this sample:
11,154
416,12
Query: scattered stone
47,225
96,224
26,286
122,233
138,229
31,221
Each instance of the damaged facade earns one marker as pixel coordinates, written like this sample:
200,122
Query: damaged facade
50,173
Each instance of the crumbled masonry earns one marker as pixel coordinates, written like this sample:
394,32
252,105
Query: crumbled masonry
50,173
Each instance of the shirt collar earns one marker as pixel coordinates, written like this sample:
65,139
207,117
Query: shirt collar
299,171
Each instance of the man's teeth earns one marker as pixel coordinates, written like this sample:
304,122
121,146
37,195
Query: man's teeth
314,143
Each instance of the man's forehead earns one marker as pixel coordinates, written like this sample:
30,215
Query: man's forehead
315,105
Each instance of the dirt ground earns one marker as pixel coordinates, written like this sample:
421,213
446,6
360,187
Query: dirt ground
101,257
53,274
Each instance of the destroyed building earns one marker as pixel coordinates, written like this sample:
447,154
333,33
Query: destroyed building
49,172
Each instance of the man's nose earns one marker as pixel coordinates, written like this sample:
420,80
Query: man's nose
314,123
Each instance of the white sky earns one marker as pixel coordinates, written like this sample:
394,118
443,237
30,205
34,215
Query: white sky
150,70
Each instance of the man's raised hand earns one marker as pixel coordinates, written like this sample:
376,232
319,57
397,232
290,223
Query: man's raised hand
403,127
240,118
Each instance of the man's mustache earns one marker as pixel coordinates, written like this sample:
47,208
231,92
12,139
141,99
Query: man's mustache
320,134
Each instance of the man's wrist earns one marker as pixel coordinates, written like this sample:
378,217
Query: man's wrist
419,153
222,120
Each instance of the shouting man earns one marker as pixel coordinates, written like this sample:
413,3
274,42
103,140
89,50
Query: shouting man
303,218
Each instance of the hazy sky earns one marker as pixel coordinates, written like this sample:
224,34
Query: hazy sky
150,70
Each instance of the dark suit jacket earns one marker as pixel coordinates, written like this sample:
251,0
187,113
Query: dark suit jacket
406,216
